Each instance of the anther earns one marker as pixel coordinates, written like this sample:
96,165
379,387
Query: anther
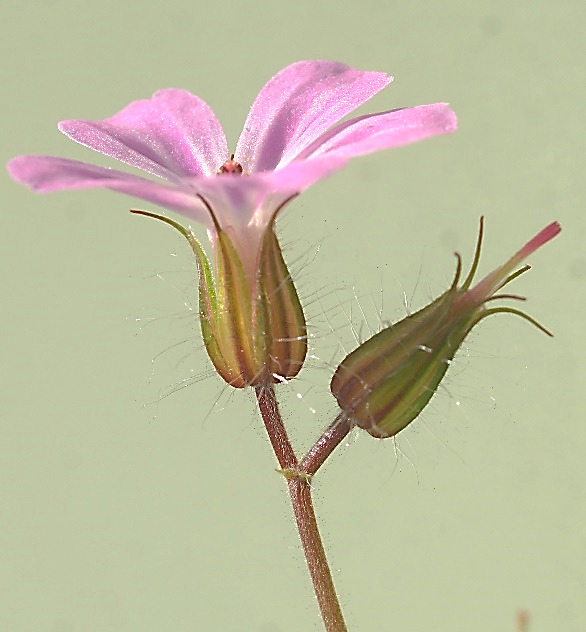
231,166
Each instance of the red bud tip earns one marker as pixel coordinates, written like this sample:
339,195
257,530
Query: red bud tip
547,234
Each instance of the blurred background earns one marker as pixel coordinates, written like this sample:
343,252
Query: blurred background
138,492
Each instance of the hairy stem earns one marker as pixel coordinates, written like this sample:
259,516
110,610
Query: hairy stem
325,445
300,493
269,410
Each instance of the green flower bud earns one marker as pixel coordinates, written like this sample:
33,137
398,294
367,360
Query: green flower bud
253,329
385,383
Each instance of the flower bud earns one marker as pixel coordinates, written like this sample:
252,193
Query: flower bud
253,329
385,383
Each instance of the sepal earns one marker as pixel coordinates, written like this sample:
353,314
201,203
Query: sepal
254,331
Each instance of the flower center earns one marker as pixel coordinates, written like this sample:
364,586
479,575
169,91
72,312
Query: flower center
230,166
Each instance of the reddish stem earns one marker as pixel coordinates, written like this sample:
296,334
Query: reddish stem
269,410
325,445
300,493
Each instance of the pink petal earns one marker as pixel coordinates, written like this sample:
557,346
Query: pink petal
244,205
45,174
172,135
542,237
297,105
243,201
494,281
301,174
384,130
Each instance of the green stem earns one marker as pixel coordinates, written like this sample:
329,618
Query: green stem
300,493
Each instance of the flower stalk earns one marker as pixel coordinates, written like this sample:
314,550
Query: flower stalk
299,487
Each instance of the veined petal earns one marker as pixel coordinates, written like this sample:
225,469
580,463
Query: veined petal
384,130
297,105
301,174
45,174
243,205
172,135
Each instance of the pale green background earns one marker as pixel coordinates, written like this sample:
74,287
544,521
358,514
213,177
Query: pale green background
123,515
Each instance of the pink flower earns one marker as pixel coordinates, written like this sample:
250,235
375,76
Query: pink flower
291,139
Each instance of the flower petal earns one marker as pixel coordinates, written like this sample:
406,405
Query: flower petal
46,174
244,201
297,105
172,135
384,130
300,174
245,205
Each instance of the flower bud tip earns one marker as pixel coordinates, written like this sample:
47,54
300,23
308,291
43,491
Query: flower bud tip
545,235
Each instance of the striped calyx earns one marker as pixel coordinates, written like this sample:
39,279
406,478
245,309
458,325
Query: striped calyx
253,329
384,384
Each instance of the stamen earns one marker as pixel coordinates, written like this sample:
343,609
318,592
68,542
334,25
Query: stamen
231,167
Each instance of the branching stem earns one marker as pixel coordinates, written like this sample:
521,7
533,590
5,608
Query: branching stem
298,482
